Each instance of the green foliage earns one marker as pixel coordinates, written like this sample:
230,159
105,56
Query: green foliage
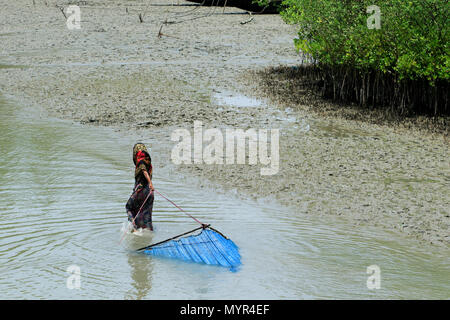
412,43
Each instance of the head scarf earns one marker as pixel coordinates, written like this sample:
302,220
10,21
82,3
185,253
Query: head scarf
140,156
139,153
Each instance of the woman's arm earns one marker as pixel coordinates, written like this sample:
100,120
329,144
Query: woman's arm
150,184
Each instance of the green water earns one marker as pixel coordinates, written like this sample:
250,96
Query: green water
63,188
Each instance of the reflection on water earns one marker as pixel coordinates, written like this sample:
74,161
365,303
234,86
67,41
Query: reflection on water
141,275
63,189
141,268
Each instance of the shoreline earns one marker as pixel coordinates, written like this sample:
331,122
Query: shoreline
122,74
284,87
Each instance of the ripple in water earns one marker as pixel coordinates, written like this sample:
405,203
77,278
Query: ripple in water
63,189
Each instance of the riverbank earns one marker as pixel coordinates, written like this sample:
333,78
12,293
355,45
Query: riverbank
76,182
287,85
116,71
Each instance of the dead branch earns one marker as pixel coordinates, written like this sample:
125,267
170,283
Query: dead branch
249,20
62,11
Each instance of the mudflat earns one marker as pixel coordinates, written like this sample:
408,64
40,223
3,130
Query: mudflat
152,78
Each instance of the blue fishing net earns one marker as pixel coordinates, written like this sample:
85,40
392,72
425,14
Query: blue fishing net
208,247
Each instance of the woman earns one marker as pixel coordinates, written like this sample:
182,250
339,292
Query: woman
143,189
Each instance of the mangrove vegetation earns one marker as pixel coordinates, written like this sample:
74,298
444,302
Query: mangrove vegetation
391,54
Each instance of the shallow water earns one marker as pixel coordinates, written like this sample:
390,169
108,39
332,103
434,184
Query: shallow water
63,188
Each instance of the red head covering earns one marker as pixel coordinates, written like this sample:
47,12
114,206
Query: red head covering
140,156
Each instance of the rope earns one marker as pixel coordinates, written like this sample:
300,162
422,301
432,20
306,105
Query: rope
179,208
203,225
149,194
180,235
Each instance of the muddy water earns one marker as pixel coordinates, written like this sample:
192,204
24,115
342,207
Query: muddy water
63,188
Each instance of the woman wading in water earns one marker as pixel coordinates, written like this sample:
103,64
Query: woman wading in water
142,196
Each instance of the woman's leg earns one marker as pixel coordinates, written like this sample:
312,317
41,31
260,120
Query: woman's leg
135,203
131,206
147,216
144,218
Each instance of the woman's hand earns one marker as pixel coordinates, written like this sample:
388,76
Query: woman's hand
150,184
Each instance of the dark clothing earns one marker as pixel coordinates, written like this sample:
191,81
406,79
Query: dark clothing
139,177
144,219
141,191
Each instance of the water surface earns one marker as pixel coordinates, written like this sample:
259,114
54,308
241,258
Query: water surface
63,188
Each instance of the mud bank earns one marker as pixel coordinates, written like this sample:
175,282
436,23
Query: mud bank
288,85
116,71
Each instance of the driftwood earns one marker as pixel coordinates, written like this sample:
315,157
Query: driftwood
249,20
